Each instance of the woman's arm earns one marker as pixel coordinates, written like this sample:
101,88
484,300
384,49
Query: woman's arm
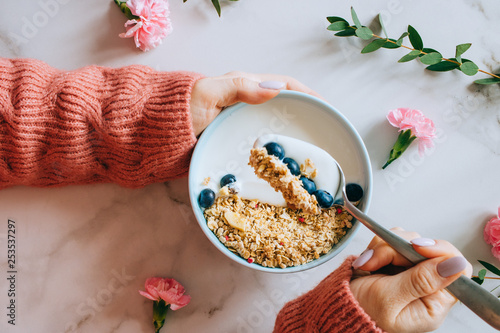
131,126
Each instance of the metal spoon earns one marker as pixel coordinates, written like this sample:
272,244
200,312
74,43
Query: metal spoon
479,300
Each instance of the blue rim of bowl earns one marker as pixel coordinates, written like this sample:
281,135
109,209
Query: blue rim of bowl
337,248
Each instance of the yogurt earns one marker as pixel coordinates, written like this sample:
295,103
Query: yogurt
327,177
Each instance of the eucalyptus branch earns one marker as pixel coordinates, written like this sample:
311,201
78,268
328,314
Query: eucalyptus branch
430,57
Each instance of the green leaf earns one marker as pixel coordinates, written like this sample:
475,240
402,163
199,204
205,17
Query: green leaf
477,280
431,58
415,39
443,66
410,56
469,68
481,274
355,18
337,26
460,49
490,267
346,33
364,33
333,19
217,6
382,25
428,50
491,80
373,46
400,39
389,45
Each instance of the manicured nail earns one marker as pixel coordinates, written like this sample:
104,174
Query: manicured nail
362,259
276,85
423,241
451,266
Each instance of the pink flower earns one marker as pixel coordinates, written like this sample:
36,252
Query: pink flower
152,26
492,234
169,290
414,120
496,251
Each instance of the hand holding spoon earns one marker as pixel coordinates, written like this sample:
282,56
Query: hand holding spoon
476,298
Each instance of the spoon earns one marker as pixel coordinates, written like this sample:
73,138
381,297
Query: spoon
479,300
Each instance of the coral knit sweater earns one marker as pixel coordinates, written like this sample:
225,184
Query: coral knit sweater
329,308
129,126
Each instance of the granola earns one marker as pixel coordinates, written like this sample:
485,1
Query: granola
275,236
277,174
308,169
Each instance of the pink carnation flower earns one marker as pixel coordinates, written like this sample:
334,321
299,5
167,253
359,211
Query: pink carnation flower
169,290
152,26
414,120
492,234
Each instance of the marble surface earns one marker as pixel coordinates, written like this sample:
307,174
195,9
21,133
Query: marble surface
84,251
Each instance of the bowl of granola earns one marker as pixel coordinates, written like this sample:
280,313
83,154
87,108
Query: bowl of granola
268,205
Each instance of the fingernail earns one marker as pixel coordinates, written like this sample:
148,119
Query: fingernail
423,241
276,85
362,259
451,266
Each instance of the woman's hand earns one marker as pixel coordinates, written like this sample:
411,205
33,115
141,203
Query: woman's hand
413,300
210,95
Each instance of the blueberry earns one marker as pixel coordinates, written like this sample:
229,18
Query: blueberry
275,149
206,198
292,165
308,184
325,199
354,192
339,202
227,179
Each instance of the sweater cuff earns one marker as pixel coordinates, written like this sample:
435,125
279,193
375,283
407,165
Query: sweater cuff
329,307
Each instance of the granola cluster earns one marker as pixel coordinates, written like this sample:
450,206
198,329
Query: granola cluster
277,174
274,236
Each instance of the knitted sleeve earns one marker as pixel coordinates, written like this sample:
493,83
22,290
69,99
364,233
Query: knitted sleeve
128,125
329,307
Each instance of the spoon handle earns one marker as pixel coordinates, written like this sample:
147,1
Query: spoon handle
479,300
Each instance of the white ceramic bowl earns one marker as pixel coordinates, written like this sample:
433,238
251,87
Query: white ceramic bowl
224,147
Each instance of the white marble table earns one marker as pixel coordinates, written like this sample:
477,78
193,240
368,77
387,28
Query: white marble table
84,251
